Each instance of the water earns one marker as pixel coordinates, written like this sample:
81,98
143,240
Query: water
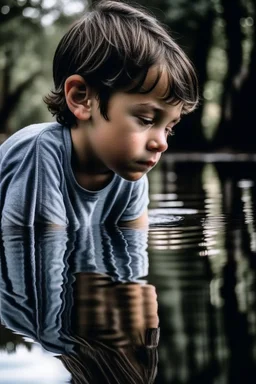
91,303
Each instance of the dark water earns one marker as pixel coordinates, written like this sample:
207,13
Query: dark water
91,304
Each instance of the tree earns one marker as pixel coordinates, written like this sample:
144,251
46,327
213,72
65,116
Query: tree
192,23
244,133
15,31
27,35
238,89
232,12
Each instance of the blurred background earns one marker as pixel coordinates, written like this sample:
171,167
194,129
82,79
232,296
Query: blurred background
219,36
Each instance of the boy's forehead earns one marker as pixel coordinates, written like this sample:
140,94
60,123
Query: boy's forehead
159,92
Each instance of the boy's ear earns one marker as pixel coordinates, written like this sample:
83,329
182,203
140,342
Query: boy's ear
78,97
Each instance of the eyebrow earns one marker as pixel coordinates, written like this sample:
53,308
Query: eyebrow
152,106
156,108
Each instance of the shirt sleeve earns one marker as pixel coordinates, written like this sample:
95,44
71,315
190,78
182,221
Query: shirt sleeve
30,184
138,201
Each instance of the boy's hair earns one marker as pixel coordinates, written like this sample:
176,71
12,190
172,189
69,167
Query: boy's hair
95,362
112,47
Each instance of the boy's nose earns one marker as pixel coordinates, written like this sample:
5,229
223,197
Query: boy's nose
157,143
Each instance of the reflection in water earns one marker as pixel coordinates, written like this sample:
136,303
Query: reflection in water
80,296
84,297
204,271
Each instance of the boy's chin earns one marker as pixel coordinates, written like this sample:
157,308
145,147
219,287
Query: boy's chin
132,176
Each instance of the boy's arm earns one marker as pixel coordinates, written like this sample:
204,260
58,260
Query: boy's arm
140,222
135,214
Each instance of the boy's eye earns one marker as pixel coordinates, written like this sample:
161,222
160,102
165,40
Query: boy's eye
146,120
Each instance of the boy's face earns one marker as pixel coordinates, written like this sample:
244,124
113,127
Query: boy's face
132,141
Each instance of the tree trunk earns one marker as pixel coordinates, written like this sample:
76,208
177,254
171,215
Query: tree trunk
244,135
11,97
232,13
189,134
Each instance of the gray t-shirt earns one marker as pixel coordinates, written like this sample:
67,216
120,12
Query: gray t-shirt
37,184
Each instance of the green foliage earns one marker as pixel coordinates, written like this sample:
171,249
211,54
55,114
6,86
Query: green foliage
28,38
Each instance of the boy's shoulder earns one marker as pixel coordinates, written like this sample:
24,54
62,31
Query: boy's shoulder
32,132
32,135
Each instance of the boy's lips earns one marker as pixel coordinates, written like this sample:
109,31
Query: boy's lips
148,163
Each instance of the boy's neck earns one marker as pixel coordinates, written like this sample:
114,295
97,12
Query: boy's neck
89,172
92,182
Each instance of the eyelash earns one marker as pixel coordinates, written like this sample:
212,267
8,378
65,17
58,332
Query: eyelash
147,122
170,132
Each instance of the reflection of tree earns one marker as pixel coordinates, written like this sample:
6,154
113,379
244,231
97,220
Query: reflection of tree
187,350
205,276
235,273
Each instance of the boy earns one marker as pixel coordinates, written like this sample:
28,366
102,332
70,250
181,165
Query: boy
121,84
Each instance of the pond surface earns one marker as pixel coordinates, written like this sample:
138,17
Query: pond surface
175,304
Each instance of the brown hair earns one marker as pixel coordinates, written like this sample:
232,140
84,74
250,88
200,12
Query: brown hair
112,47
95,362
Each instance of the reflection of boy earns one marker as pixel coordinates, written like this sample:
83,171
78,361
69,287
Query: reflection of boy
78,294
121,84
118,332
